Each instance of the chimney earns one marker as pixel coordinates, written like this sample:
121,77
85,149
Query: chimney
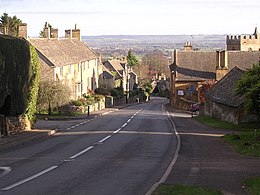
74,33
22,30
54,33
47,33
68,34
188,46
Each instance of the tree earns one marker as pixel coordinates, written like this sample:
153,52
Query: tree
52,94
206,86
156,62
11,24
131,59
249,87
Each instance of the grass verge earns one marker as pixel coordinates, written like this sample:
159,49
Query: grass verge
165,189
246,139
253,185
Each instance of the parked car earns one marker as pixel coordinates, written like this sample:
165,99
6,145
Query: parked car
195,107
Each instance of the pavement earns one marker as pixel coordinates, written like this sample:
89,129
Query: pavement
204,158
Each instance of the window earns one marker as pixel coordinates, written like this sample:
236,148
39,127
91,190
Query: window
180,92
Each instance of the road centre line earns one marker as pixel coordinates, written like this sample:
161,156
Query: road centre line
124,125
54,167
6,171
115,132
29,178
81,152
104,139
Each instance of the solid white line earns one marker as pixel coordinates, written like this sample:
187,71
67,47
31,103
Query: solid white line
105,113
6,171
82,152
29,178
104,139
176,155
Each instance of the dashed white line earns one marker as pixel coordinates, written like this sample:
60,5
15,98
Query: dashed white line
115,132
6,171
29,178
129,120
104,139
82,152
124,125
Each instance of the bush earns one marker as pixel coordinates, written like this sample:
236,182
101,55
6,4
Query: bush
102,91
77,103
117,92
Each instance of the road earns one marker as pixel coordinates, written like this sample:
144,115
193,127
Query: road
123,152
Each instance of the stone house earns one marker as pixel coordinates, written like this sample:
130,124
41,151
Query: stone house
221,101
68,60
123,76
191,68
188,71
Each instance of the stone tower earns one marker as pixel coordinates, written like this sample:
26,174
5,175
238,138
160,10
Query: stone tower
244,42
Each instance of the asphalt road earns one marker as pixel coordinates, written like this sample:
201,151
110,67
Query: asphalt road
122,152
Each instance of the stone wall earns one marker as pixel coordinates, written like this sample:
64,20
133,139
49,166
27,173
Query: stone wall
16,125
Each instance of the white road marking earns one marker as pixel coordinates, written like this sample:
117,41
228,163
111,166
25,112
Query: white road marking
82,152
6,171
176,155
124,125
29,178
129,120
105,113
115,132
104,139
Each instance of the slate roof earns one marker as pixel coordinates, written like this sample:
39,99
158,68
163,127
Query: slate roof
194,65
115,65
62,52
223,91
243,59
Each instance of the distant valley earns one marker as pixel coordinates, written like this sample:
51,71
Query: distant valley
118,45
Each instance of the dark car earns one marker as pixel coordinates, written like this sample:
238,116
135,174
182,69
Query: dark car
195,107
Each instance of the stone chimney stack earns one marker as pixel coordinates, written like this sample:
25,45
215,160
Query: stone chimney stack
54,33
68,34
47,31
188,46
22,30
74,33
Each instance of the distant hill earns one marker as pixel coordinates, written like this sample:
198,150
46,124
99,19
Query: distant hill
157,41
119,45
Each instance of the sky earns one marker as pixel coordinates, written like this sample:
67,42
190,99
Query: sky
137,17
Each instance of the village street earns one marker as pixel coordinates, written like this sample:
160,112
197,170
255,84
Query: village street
125,151
121,152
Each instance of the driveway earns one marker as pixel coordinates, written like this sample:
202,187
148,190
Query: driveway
206,160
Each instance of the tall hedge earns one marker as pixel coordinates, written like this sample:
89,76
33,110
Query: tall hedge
33,84
19,77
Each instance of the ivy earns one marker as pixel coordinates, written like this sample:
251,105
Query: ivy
33,85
